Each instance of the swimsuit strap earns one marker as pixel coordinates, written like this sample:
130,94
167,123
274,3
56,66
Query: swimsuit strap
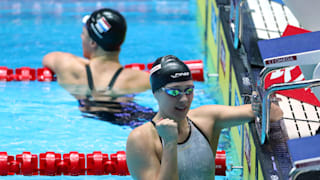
200,131
154,125
189,134
89,75
114,78
189,124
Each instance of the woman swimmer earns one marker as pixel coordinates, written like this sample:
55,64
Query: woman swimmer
98,81
180,143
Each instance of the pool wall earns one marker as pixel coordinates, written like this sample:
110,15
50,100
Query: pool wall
223,58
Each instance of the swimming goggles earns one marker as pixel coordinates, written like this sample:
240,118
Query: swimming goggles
177,92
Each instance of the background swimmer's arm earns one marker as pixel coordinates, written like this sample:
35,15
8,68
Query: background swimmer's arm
143,162
64,65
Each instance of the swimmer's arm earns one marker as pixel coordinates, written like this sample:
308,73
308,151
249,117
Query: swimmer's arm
237,115
228,116
64,65
54,61
58,62
143,162
225,116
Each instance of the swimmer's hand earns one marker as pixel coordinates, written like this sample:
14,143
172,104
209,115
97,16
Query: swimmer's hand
168,130
275,111
256,104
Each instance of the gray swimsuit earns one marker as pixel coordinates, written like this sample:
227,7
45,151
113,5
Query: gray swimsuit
195,157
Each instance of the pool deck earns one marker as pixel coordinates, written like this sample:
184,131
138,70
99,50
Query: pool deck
301,119
264,20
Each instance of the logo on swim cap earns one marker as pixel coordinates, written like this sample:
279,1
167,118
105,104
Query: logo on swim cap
102,26
168,69
107,28
177,75
155,68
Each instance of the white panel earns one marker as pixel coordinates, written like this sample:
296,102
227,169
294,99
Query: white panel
274,34
289,124
253,4
292,20
299,114
257,19
280,16
268,15
312,115
262,34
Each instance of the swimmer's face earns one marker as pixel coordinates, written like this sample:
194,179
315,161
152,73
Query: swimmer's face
175,99
85,42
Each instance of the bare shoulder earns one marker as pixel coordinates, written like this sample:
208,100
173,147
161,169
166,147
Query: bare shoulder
142,159
140,134
203,116
139,141
136,74
58,56
69,68
137,79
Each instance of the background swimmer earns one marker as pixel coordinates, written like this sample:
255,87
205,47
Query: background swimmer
99,81
180,143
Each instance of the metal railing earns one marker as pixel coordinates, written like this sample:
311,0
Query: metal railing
266,101
265,71
304,166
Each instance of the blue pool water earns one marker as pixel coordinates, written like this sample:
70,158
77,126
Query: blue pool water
40,117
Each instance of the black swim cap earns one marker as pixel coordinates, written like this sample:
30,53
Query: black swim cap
107,27
168,69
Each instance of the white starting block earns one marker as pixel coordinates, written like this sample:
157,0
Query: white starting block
305,157
295,78
292,57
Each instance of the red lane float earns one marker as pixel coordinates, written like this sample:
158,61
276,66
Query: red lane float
72,164
6,74
137,66
196,68
26,74
96,163
45,74
28,164
220,162
8,166
75,164
51,164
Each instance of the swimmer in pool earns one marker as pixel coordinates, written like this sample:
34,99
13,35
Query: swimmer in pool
98,80
180,143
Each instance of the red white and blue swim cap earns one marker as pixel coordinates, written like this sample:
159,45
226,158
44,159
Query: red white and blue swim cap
107,27
168,69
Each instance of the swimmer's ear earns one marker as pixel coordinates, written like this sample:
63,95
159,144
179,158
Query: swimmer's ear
93,43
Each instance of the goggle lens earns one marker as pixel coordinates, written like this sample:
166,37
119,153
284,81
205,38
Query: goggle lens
177,92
